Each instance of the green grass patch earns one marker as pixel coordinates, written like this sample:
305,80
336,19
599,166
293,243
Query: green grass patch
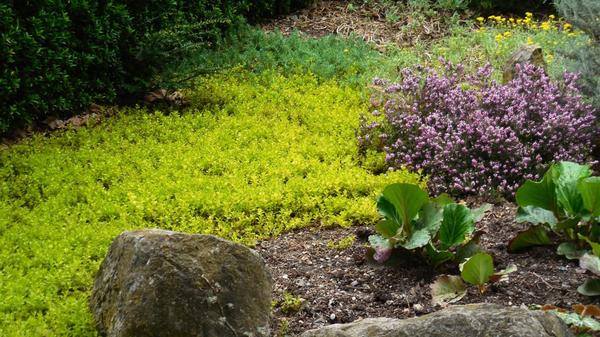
255,156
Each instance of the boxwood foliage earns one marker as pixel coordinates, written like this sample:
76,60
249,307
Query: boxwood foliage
58,56
255,156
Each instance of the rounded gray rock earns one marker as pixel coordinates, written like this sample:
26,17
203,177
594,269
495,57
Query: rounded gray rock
156,283
472,320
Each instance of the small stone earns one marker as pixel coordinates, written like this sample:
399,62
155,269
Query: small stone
332,317
354,283
525,54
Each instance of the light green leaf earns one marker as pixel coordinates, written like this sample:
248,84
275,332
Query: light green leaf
478,269
534,236
443,199
590,192
377,242
406,199
566,176
437,257
565,224
535,215
470,248
456,224
382,246
590,262
569,250
389,212
539,194
573,319
595,246
591,287
418,239
511,268
387,228
503,274
479,212
447,289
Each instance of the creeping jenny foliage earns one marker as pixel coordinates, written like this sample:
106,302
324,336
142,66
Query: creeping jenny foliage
254,157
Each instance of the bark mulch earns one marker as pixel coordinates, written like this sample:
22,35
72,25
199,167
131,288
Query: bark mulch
371,22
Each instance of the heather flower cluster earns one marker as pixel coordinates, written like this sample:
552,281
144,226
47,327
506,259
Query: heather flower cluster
472,135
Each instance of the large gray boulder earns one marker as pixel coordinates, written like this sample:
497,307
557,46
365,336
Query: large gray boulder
156,283
473,320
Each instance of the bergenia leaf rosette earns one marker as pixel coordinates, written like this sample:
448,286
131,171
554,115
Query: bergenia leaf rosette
566,203
437,228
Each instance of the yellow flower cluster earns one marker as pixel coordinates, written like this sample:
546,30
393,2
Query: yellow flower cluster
503,36
527,22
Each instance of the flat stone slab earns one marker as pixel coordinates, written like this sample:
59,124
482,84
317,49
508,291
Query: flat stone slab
472,320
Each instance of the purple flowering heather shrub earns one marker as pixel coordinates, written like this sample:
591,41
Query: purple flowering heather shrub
470,134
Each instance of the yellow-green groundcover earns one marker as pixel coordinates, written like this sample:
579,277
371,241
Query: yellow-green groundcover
256,155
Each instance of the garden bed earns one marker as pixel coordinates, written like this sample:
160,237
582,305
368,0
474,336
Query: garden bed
341,286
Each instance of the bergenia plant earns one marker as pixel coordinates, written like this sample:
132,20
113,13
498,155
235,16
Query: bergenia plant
437,228
565,202
477,270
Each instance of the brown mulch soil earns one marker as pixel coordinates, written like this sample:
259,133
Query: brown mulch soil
341,286
367,21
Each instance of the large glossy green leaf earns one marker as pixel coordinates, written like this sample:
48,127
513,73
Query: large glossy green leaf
457,222
478,269
566,176
406,199
534,236
591,287
430,217
540,194
418,239
447,289
589,188
536,215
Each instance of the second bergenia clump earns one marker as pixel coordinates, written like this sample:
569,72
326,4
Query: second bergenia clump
471,134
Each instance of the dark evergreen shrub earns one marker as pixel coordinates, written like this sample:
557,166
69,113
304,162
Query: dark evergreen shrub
56,56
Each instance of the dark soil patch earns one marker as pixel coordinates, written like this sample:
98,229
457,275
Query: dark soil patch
341,286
